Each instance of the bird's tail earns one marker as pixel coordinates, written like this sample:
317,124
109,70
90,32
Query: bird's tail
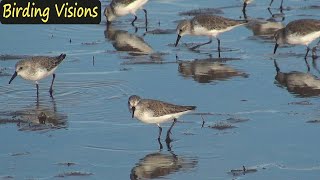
191,107
60,58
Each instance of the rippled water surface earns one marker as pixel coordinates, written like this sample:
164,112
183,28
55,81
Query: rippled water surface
260,110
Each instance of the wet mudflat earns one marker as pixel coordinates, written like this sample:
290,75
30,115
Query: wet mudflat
260,111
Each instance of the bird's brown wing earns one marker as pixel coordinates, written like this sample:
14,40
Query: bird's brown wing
303,26
215,22
49,62
161,108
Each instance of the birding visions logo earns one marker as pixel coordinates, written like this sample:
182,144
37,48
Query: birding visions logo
50,11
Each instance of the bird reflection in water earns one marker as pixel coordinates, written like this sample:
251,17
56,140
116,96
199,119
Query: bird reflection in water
299,83
207,70
39,118
264,29
127,42
159,165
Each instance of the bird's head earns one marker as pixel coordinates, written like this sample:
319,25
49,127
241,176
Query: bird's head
132,103
22,67
183,28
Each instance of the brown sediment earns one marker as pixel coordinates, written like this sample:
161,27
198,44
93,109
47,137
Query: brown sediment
236,120
222,126
74,173
300,103
199,11
243,171
313,121
13,56
161,31
4,73
20,154
90,43
66,164
6,177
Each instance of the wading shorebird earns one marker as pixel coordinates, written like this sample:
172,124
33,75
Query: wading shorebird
206,25
155,112
119,8
298,32
37,68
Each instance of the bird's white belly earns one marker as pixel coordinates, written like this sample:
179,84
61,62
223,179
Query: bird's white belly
131,8
37,75
304,40
201,31
148,117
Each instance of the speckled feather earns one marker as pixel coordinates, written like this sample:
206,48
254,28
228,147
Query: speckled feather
161,108
44,61
211,22
303,26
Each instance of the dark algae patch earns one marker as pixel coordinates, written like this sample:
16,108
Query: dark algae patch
222,126
243,171
74,173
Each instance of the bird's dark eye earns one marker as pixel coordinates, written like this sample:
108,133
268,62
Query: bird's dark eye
20,68
180,30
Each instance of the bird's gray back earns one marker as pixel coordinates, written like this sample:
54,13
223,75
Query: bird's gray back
46,62
303,26
161,108
214,22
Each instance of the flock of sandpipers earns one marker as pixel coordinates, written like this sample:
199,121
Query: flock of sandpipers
297,32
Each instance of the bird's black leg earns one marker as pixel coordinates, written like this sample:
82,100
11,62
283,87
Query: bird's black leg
37,85
281,7
270,3
51,87
308,49
160,144
244,15
308,66
146,17
168,139
160,131
135,18
244,7
219,46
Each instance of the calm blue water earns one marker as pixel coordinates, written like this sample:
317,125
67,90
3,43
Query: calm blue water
88,119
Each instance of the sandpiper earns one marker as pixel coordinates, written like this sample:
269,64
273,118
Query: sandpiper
155,112
119,8
298,32
37,68
206,25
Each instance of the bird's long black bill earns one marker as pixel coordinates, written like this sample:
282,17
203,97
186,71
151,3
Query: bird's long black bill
13,76
133,109
177,41
275,48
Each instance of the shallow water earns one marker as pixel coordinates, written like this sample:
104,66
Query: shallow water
254,116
